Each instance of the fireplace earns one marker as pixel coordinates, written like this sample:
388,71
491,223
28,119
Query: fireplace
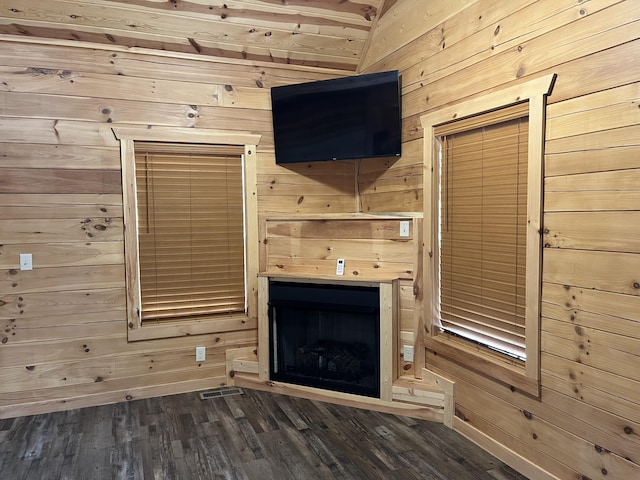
325,336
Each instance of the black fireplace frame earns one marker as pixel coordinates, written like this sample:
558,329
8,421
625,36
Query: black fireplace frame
329,298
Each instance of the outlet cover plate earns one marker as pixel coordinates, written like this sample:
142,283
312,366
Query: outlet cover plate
404,228
407,353
201,354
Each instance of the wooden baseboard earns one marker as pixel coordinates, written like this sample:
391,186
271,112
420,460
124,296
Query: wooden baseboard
415,411
396,408
429,398
502,452
36,406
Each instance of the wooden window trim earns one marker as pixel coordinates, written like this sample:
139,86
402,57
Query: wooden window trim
203,138
524,376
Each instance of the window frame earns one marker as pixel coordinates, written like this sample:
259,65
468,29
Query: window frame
245,144
524,376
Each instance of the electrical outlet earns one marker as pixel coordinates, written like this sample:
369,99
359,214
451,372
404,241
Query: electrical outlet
404,228
407,353
201,354
26,261
340,267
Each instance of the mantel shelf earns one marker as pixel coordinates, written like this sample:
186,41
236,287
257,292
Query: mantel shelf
346,216
372,281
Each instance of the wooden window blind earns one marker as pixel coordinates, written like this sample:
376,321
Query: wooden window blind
190,234
483,218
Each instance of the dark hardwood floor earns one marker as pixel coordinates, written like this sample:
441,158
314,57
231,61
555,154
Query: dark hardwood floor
256,435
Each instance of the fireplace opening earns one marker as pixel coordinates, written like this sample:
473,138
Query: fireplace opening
325,336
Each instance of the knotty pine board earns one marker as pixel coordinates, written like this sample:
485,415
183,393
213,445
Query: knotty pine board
27,155
118,61
53,327
607,271
607,156
609,311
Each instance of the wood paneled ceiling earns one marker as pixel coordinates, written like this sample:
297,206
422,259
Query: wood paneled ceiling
320,33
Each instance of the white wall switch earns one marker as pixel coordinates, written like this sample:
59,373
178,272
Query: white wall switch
340,267
407,353
26,262
404,228
201,354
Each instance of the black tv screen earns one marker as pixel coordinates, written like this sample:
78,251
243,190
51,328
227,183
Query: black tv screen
344,118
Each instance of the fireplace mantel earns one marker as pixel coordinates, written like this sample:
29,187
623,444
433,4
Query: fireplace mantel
380,250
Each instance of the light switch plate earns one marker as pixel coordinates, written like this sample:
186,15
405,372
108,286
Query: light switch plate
26,261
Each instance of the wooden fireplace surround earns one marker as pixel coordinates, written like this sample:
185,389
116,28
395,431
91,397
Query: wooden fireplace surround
305,249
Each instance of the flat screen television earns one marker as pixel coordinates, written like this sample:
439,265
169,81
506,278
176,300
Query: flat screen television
343,118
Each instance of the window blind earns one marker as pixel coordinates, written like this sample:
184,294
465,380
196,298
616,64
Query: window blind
190,233
483,228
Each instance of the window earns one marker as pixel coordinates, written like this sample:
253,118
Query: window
190,231
482,228
483,203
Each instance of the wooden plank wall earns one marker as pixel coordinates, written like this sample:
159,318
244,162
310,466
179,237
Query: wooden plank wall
587,423
310,247
63,341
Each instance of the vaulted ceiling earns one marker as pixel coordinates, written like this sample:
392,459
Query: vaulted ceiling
321,33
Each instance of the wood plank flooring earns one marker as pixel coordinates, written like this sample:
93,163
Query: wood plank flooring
256,435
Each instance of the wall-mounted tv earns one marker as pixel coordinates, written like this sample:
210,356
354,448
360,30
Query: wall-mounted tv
343,118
